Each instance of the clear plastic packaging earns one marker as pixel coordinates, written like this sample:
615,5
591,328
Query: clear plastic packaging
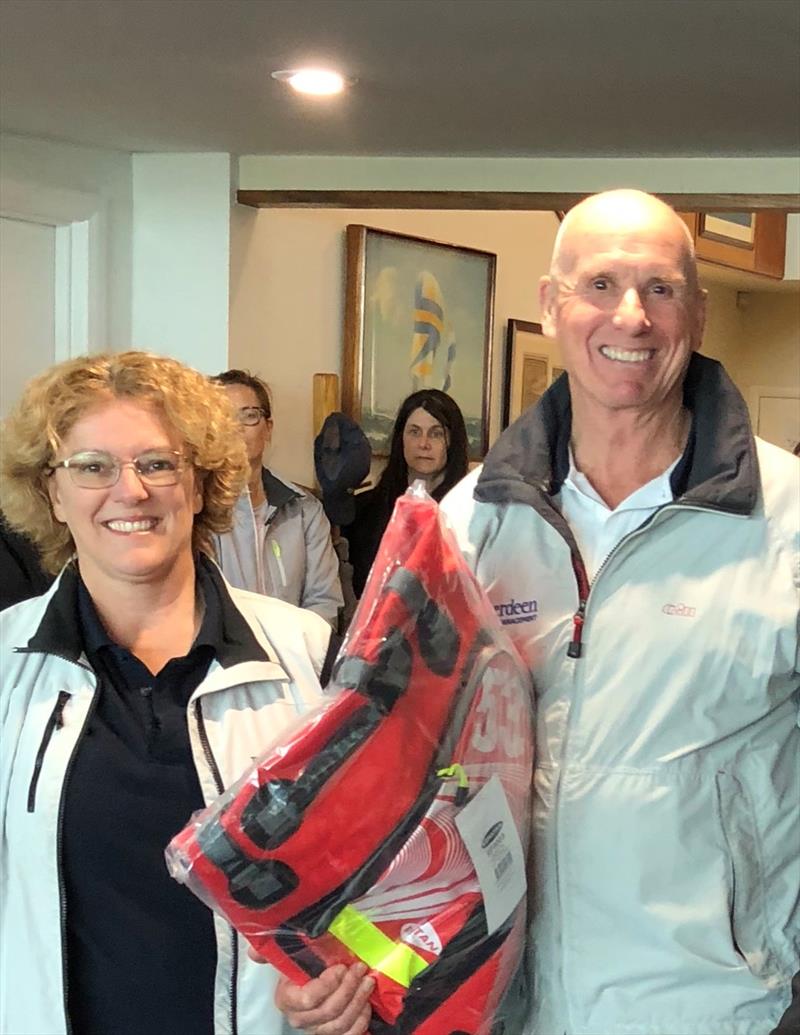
392,825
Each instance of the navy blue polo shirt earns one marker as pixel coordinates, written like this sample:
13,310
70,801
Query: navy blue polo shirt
141,953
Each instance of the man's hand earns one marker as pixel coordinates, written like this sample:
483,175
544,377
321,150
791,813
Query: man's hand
335,1003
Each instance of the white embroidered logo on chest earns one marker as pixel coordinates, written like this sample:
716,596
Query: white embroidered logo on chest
681,610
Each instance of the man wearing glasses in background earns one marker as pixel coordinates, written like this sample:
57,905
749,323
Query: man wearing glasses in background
280,543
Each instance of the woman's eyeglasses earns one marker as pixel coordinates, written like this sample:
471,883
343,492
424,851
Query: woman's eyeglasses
251,415
96,469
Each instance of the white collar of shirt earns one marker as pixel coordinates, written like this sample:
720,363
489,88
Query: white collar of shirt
598,529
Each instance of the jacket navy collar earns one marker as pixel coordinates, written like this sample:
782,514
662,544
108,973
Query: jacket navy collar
718,469
60,632
278,493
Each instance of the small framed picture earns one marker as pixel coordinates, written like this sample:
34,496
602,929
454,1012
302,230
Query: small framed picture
737,228
533,362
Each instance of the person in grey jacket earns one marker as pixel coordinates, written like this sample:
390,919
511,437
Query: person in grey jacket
280,543
642,548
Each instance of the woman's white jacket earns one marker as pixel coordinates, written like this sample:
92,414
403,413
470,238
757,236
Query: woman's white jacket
233,715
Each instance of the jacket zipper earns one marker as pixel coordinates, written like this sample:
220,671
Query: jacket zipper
275,548
276,553
62,891
575,650
55,722
212,765
259,550
575,647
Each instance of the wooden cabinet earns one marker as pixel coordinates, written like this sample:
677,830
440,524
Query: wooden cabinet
751,241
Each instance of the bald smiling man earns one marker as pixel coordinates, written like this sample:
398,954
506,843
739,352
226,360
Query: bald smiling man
653,544
659,540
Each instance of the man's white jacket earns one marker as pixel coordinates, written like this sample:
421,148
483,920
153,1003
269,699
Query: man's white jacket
233,715
667,784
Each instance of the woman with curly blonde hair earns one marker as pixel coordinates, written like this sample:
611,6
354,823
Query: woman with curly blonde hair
131,694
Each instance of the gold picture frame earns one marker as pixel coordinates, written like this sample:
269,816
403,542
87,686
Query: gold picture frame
418,314
533,362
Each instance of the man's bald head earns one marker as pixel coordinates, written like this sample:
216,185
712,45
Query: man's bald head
620,211
624,303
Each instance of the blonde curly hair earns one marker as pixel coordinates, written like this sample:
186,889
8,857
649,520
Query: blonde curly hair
52,403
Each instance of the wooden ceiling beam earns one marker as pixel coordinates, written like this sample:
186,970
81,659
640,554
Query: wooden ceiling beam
519,201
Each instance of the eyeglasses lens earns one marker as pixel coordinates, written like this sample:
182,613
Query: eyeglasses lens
100,470
250,415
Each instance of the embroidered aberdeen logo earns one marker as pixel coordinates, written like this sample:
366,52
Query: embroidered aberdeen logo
512,612
682,610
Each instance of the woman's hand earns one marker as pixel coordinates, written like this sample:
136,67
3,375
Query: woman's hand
335,1003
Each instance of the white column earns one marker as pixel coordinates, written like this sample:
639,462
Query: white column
181,257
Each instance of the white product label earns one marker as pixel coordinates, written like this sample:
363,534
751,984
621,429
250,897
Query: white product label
424,936
490,834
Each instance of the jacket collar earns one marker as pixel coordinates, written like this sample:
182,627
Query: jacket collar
278,493
59,631
719,467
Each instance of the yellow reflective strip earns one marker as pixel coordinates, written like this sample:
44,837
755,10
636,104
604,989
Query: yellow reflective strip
455,770
396,960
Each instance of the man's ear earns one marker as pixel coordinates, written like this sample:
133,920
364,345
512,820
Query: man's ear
699,318
547,304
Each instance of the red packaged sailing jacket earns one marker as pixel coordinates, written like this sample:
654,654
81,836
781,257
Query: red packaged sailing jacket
341,843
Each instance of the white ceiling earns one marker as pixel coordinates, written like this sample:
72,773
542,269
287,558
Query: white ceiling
435,77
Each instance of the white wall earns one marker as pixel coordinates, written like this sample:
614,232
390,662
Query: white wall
287,298
792,265
770,344
724,327
756,336
181,245
28,341
158,238
88,178
678,175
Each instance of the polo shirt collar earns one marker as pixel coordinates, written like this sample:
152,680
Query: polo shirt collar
70,621
655,493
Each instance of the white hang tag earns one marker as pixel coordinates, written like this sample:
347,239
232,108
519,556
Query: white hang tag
490,835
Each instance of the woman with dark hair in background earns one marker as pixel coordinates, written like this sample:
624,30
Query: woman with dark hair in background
429,442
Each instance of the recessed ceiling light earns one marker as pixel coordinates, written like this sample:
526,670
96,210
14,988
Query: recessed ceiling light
321,82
